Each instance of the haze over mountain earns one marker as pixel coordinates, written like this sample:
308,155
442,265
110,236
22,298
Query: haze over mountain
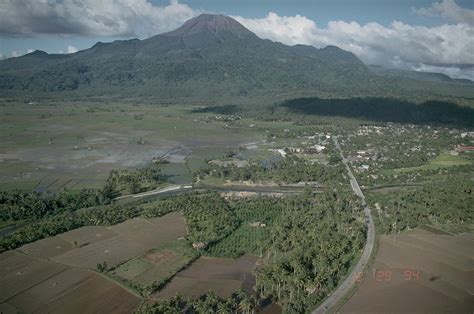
208,56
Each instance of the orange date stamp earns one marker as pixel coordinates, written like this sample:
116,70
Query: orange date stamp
387,275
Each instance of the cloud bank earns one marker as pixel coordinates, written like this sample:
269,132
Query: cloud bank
448,9
90,17
446,48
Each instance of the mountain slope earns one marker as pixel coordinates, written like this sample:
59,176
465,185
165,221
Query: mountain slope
208,56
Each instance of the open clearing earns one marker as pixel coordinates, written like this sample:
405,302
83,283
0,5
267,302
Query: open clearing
223,276
419,271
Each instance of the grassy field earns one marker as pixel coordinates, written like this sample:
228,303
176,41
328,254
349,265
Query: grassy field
156,266
442,161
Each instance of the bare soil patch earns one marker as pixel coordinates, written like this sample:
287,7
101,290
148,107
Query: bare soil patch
45,292
32,285
113,245
95,295
150,234
418,271
223,276
87,235
193,288
19,272
6,308
47,248
113,251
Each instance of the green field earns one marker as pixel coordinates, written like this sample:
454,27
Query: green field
149,271
247,238
442,161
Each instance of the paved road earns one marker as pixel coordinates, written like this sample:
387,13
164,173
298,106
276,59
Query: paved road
186,188
355,275
169,189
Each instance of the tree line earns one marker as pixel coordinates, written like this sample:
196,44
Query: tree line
289,170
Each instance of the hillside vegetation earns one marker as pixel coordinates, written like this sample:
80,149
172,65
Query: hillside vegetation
208,57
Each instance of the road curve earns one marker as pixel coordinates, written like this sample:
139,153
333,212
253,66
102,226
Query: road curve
356,274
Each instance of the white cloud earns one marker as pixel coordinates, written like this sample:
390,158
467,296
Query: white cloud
398,45
16,53
448,9
290,30
29,50
466,72
91,17
71,49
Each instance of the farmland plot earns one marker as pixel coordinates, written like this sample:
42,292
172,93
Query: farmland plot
19,272
73,290
45,292
88,235
223,276
47,248
157,265
153,232
97,295
418,271
88,246
54,275
113,251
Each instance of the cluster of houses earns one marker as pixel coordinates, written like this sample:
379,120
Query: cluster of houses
257,224
461,149
315,149
414,141
307,147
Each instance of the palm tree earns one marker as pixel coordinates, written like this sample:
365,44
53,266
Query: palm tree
245,305
224,307
211,299
200,306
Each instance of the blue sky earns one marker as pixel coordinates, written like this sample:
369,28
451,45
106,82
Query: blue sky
421,35
323,11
